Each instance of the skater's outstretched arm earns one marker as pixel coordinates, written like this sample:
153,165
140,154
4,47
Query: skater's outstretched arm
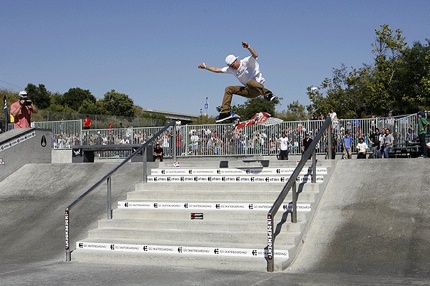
251,50
209,68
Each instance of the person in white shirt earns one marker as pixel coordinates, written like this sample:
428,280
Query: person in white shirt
283,146
247,71
194,142
362,149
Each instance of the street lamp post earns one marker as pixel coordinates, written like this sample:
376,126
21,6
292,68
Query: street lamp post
206,106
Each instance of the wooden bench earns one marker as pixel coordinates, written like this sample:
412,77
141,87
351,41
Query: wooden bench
86,153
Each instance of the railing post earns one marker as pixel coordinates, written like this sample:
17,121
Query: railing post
175,130
109,197
330,143
145,165
314,166
67,235
270,244
295,197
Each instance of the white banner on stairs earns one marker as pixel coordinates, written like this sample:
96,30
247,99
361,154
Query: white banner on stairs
179,250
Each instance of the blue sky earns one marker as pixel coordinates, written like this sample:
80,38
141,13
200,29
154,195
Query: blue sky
150,50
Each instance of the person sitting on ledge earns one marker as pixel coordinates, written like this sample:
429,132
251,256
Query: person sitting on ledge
158,152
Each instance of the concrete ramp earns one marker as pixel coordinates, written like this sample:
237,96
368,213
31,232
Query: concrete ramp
33,199
373,219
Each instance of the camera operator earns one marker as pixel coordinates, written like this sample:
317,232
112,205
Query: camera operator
22,110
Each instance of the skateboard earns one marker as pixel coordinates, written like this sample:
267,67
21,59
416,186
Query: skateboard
233,117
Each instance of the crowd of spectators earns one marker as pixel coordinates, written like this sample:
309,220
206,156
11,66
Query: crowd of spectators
225,139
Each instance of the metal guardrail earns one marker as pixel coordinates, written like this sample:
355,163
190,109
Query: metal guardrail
292,185
108,179
225,140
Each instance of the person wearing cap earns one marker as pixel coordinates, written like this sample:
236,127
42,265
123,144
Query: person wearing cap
21,111
422,126
247,71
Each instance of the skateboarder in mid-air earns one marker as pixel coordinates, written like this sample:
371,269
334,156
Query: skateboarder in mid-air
247,71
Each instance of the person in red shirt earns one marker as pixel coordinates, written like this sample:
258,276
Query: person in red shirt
22,110
87,122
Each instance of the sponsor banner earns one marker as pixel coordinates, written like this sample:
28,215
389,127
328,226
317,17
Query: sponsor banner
175,171
179,250
228,179
231,171
308,179
203,171
93,245
209,206
256,171
16,141
126,247
321,170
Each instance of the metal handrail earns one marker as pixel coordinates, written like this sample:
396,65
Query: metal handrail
107,177
291,184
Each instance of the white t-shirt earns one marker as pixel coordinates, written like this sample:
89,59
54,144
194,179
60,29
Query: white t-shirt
362,147
283,143
248,69
195,139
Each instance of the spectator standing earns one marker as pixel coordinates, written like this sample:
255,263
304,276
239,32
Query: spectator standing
333,147
87,122
166,142
334,121
21,111
194,142
306,143
283,146
347,145
422,131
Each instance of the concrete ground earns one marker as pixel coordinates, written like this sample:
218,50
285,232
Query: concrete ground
372,227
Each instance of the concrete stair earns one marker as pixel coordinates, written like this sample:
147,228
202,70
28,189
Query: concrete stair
200,219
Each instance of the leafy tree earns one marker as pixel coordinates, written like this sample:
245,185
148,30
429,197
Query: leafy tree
118,104
398,81
76,96
254,105
204,119
89,107
412,79
39,95
295,111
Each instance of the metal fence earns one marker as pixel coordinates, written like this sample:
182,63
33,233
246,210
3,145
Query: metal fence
226,140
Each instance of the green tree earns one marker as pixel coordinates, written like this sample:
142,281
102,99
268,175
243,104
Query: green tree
254,105
203,119
295,111
74,98
89,107
118,104
411,82
388,49
397,81
39,95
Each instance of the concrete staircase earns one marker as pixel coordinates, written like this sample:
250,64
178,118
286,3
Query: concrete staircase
201,216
